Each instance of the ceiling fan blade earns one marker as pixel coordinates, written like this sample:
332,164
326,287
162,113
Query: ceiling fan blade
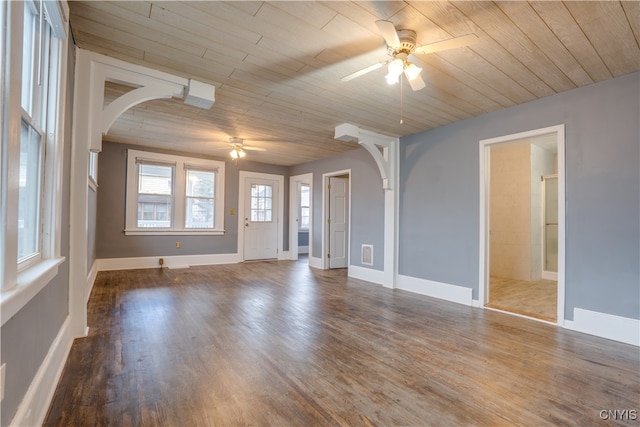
417,83
388,31
453,43
248,148
365,70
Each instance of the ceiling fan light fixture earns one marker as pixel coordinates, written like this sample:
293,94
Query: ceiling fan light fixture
237,153
392,79
395,69
412,71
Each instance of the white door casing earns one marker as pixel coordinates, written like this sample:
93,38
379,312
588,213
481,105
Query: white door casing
485,163
338,222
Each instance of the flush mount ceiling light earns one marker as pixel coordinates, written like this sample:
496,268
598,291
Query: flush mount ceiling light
401,44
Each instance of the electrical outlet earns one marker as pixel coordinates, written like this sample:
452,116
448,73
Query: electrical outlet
178,244
2,368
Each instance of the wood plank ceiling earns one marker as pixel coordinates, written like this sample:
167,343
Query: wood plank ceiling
277,65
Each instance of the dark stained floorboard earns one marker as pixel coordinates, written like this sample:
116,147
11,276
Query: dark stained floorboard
278,343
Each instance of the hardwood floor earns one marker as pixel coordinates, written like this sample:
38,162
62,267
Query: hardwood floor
538,298
278,343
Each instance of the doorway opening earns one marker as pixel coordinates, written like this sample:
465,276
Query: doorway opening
522,224
301,216
336,212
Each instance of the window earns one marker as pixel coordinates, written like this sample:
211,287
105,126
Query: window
93,170
200,201
169,194
33,81
33,100
29,194
261,203
304,207
155,195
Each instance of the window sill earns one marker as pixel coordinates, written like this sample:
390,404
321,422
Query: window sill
30,282
174,233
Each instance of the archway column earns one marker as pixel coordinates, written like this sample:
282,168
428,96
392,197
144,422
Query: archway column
384,150
91,120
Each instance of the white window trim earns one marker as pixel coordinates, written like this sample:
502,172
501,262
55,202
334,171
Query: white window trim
19,286
179,205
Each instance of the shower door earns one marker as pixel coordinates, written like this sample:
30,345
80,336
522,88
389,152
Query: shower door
550,227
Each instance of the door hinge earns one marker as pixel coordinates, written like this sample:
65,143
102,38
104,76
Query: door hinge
329,220
329,186
328,255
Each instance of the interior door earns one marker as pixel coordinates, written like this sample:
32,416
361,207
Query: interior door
338,222
260,219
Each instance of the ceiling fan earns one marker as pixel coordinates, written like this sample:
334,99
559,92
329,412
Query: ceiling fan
238,148
401,44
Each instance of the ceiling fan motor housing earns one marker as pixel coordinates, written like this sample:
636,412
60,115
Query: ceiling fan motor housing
407,43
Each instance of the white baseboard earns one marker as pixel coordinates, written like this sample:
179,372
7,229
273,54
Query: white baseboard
315,262
173,261
303,249
35,404
549,275
604,325
284,255
368,274
91,278
444,291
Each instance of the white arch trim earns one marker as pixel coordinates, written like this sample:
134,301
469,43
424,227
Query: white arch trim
91,121
384,150
379,146
94,70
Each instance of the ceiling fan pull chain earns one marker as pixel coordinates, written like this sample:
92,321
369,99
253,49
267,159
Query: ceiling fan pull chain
401,104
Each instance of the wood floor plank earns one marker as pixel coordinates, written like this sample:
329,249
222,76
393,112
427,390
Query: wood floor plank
278,343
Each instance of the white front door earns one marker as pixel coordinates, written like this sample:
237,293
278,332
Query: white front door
260,219
338,222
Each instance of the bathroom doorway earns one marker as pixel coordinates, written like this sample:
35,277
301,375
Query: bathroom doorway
521,214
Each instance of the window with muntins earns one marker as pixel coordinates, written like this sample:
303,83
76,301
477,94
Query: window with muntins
304,213
169,194
261,203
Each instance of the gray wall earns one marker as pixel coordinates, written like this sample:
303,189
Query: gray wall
367,202
439,194
110,239
303,238
27,337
